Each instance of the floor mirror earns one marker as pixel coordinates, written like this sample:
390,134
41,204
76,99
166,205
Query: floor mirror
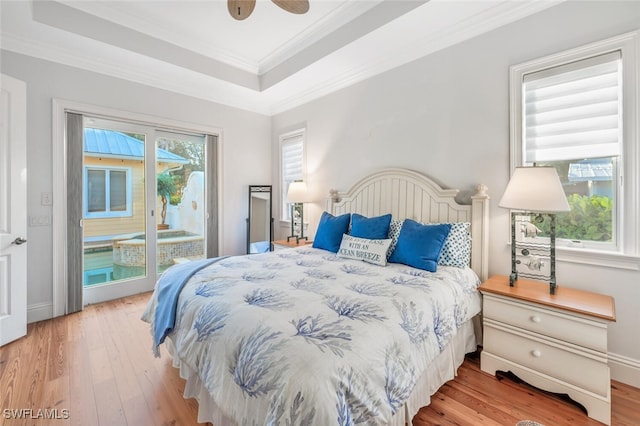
260,220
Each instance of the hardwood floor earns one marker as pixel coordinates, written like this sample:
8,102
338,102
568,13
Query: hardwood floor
475,398
96,368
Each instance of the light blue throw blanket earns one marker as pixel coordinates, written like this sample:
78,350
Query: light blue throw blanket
168,290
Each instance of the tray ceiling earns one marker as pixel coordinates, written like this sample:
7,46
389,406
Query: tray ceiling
268,63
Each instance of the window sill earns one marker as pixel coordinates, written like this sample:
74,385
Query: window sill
598,258
106,216
607,259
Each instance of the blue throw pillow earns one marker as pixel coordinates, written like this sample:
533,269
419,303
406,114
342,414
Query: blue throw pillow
420,245
371,228
330,231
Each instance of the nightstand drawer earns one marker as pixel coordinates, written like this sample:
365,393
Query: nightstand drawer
570,328
586,370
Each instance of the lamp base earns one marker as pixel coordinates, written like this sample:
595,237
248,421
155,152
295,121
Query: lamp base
293,235
297,238
529,253
513,277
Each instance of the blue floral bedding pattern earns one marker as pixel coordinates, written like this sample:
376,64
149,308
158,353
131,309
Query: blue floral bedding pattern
303,337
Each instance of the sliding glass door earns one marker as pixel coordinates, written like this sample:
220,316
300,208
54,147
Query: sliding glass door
144,205
182,193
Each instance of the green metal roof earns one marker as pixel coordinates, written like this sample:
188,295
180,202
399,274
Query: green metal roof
109,143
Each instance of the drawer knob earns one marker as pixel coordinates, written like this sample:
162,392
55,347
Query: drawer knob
536,353
536,319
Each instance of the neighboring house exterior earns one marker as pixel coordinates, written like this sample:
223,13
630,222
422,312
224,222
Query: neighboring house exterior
593,176
114,183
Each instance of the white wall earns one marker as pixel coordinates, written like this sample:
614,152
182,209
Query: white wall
245,144
447,115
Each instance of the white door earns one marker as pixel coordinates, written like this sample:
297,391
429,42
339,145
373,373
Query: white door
13,209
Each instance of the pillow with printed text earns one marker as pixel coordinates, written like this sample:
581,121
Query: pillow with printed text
370,251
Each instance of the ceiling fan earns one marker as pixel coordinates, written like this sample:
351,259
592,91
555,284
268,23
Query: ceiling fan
241,9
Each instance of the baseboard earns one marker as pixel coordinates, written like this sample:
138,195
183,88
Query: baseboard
624,369
39,312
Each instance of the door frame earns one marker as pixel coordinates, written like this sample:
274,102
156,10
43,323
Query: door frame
13,324
59,108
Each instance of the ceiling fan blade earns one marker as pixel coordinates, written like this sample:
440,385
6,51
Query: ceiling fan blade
240,9
294,6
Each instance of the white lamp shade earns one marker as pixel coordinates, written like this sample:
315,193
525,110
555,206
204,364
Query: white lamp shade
298,193
535,189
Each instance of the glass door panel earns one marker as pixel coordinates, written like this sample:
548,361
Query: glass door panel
144,205
181,198
114,194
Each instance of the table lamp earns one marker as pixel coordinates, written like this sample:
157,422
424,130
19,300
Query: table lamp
534,191
297,194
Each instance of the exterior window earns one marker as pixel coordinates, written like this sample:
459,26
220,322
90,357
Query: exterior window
569,112
572,117
108,192
292,166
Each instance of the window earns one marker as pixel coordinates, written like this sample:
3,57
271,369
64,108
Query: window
292,166
576,111
572,117
108,192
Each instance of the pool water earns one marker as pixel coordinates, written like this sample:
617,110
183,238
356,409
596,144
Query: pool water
99,268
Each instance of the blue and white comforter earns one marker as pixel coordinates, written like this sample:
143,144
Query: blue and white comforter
303,337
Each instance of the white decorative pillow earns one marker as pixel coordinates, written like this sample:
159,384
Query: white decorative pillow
371,251
456,250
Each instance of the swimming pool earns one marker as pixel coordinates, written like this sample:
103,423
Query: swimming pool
172,244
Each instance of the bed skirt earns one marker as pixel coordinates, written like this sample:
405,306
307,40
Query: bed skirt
441,370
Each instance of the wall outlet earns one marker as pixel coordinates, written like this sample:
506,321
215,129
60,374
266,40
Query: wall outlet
39,220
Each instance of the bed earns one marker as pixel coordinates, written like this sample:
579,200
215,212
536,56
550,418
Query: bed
316,335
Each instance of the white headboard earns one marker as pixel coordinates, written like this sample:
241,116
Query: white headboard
410,195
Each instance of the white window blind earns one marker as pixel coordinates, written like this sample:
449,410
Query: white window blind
292,152
573,110
292,165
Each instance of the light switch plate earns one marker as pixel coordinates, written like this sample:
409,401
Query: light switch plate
46,198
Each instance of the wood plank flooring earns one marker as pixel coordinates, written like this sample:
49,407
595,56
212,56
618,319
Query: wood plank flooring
95,368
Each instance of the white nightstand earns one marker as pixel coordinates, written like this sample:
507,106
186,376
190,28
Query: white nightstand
554,342
282,244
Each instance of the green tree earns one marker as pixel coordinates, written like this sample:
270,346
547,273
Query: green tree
588,220
166,187
192,151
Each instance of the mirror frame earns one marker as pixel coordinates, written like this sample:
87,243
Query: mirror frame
253,189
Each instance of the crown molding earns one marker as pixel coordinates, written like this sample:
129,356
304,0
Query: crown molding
290,92
140,23
190,83
489,19
329,23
